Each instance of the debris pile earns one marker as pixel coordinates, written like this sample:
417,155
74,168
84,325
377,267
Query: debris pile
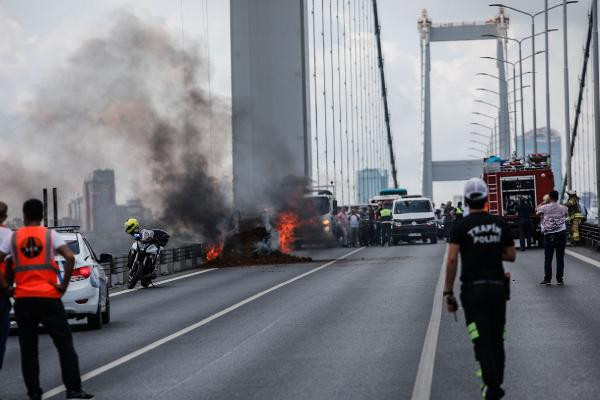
250,245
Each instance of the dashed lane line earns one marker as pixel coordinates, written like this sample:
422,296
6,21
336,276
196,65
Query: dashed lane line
167,339
424,379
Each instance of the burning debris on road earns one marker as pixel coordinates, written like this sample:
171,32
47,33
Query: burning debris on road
250,243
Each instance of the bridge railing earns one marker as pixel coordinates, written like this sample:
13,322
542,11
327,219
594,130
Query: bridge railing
171,261
590,233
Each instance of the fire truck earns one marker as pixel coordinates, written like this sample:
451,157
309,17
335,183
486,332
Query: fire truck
511,182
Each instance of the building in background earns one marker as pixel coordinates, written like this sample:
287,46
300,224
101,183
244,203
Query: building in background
99,196
370,182
555,145
97,210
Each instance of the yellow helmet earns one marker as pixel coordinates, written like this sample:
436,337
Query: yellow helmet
131,225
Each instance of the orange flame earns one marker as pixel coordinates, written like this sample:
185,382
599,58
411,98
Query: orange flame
214,251
288,222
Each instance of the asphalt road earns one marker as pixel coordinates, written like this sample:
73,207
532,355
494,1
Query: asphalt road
349,329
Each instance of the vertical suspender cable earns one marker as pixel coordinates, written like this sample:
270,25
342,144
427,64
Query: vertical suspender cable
339,87
209,80
356,127
368,128
363,144
333,121
314,57
384,90
325,93
346,136
596,89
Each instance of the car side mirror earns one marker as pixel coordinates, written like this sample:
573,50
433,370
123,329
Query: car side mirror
105,258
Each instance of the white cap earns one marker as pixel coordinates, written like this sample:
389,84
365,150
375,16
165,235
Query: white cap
476,189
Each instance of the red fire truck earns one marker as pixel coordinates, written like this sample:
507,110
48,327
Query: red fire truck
511,182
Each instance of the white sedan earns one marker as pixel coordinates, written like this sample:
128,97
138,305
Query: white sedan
87,294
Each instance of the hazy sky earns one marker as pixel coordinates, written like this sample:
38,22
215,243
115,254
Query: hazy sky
37,36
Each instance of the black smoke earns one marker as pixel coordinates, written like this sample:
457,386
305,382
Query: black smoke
130,99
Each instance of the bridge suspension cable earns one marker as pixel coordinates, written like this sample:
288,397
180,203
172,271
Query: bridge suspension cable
349,117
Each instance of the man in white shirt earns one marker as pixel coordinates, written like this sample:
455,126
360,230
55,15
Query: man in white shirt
5,234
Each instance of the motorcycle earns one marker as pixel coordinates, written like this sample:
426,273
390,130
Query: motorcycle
144,256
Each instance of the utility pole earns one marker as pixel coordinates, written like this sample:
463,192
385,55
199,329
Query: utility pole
566,79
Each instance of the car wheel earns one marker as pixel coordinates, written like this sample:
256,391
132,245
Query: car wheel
106,313
94,321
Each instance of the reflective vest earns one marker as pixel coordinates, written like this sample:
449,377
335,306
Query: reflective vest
458,211
36,272
386,214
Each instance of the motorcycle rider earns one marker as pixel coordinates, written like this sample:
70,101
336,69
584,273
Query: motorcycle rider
155,236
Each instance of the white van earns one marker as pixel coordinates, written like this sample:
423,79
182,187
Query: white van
414,219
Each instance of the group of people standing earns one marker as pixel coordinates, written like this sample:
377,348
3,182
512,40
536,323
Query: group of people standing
447,214
364,226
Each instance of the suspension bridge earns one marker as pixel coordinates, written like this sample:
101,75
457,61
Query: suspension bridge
309,100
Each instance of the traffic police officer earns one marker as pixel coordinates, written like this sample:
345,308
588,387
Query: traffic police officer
483,242
38,290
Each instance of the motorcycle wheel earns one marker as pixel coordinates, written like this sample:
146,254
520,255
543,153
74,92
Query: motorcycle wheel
134,275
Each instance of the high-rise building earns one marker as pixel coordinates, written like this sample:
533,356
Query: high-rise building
370,182
542,147
100,201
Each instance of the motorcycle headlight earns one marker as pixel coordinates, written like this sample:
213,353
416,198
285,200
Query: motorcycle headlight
326,222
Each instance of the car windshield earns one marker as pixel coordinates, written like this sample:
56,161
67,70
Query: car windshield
320,205
412,206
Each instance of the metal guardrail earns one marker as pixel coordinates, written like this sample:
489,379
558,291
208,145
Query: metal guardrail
171,261
591,234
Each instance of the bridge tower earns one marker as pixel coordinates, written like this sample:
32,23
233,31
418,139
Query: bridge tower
270,98
458,169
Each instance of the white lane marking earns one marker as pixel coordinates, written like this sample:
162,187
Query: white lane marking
160,342
422,388
165,281
588,260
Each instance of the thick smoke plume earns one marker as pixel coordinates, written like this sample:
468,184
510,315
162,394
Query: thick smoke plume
131,100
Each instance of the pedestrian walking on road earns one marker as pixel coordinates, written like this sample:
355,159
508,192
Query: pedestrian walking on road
448,219
5,291
554,228
524,212
38,291
483,242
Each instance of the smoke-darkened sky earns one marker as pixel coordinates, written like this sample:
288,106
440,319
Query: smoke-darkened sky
39,37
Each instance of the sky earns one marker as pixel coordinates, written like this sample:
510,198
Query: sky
37,37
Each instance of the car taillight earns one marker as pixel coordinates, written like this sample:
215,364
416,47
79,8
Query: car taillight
81,273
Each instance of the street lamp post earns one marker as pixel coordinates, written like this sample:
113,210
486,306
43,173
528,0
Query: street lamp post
520,43
492,132
514,90
566,96
532,16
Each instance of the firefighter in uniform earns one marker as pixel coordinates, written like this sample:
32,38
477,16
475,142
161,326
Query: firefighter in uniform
575,216
38,291
483,242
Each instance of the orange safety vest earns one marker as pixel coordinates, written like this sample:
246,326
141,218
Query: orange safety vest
36,272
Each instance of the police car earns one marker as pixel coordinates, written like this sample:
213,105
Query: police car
87,293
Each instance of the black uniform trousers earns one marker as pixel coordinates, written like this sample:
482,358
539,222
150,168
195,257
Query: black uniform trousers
554,242
29,313
485,314
525,232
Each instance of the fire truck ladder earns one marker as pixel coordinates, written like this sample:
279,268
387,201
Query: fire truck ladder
492,182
